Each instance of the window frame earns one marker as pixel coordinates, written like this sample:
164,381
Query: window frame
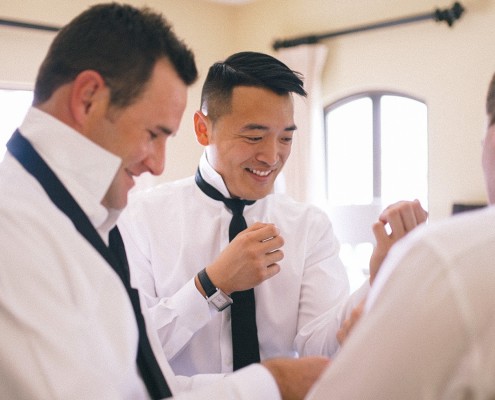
375,97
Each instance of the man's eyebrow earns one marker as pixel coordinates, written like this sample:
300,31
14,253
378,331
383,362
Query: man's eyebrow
164,130
249,127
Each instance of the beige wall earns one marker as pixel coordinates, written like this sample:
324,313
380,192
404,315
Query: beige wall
449,68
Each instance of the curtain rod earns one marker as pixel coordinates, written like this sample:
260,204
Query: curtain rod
28,25
448,15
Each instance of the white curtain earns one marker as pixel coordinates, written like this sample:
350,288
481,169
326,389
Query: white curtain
304,172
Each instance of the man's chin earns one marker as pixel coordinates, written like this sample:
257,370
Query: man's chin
117,203
258,195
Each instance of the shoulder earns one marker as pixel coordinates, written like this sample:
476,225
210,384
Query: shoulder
460,233
455,244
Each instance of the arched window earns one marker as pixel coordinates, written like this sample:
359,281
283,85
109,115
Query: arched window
376,154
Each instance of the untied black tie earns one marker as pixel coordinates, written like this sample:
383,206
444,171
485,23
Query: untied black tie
245,346
115,255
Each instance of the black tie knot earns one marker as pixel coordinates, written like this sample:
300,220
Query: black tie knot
235,205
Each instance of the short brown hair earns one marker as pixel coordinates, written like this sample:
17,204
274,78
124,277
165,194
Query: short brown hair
120,42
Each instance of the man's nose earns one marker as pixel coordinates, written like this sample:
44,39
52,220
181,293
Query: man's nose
269,152
155,162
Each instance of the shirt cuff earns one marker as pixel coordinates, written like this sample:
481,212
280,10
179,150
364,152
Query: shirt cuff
187,303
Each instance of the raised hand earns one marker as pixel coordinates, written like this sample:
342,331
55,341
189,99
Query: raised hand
249,259
401,218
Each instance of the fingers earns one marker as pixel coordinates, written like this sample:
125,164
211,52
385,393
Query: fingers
412,214
266,234
251,258
421,214
272,256
272,270
380,232
400,218
262,229
398,221
403,216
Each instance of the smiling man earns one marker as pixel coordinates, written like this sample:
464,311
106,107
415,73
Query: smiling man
282,272
109,93
250,144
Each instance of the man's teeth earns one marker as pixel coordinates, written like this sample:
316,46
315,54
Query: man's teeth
260,173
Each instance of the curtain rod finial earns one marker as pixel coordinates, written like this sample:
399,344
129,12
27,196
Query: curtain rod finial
450,15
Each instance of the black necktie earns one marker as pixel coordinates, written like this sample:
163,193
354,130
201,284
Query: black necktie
115,255
245,347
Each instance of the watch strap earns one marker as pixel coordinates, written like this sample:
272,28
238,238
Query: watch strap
208,286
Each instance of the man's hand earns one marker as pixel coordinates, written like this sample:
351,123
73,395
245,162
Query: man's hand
249,259
401,217
346,328
295,376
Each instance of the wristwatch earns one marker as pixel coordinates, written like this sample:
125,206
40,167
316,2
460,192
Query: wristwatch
214,296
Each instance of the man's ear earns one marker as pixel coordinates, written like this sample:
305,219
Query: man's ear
201,128
89,94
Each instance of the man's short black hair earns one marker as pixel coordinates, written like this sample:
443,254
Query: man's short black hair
246,69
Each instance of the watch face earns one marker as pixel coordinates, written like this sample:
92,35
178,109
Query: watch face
220,300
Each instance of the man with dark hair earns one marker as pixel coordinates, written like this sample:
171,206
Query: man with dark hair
427,331
220,306
111,90
124,55
246,69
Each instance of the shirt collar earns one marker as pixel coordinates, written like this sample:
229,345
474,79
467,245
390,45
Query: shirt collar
211,176
215,179
85,169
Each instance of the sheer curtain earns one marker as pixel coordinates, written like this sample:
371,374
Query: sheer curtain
304,172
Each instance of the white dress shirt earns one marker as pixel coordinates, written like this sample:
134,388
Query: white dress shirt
67,328
429,332
174,230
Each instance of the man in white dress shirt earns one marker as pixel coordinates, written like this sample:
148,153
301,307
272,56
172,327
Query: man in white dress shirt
428,330
288,254
110,92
